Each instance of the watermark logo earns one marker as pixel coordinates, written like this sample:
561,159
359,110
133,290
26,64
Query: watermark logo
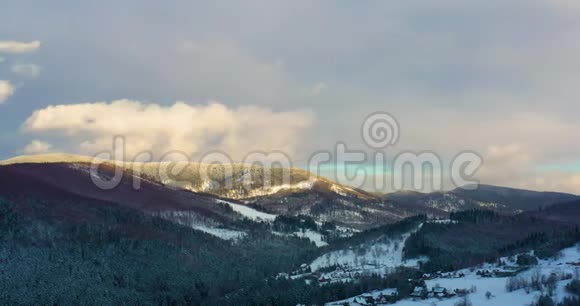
380,130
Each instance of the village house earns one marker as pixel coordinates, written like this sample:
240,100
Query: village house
387,296
419,292
369,298
360,300
439,292
484,273
311,278
427,276
504,273
304,268
323,279
282,276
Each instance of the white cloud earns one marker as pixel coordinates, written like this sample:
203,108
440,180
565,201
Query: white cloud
37,147
507,163
6,90
318,89
515,165
514,146
10,46
31,71
192,129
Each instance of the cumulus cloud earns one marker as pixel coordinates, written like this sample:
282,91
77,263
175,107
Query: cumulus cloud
514,146
30,71
15,47
516,165
6,90
450,89
507,163
37,147
192,129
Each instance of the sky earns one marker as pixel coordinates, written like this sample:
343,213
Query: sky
499,78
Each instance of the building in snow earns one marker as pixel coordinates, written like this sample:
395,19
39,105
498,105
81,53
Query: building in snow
387,296
439,292
419,292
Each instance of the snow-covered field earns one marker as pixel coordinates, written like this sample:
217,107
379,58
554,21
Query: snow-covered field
222,233
388,254
315,237
496,286
311,235
258,216
194,221
382,257
353,300
249,212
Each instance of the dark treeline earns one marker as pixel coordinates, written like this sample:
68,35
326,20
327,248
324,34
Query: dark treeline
384,232
292,292
62,253
108,255
82,253
475,216
288,224
483,236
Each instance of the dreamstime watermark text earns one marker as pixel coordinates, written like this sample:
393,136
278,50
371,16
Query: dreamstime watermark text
368,169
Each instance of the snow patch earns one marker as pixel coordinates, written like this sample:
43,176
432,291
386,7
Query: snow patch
496,286
191,219
303,185
249,212
221,233
338,190
313,236
360,299
387,255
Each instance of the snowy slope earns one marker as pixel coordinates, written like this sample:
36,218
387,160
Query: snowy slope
314,236
222,233
388,254
188,175
309,234
264,191
559,267
258,216
352,300
196,222
249,212
497,286
212,228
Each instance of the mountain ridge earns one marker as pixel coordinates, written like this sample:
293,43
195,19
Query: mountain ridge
301,193
499,198
185,195
216,177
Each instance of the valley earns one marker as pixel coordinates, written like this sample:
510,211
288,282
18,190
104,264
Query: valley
179,239
489,284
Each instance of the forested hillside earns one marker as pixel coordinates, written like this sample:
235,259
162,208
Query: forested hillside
112,255
476,236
